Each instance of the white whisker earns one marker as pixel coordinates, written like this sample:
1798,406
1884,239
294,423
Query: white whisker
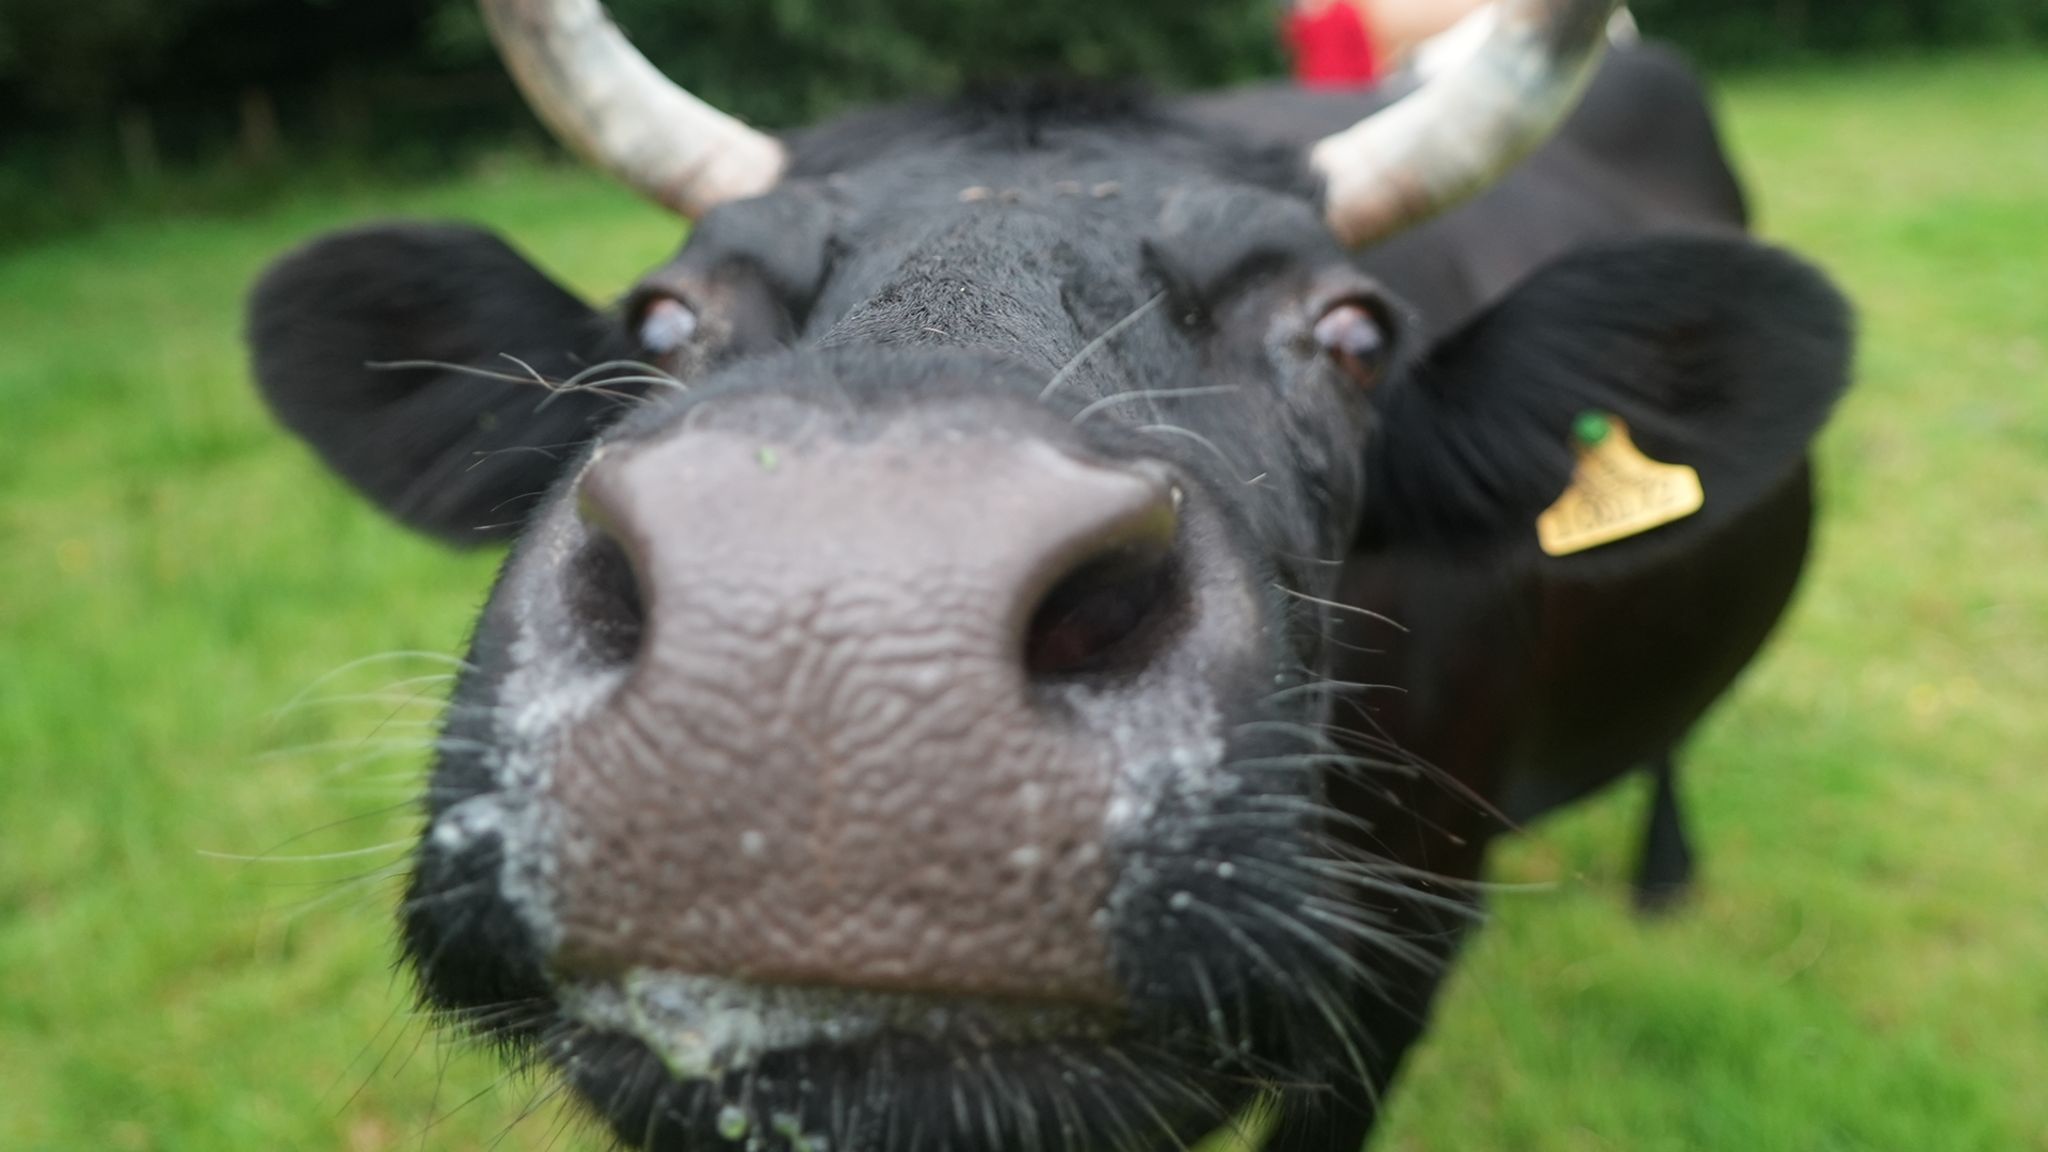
1098,344
1340,606
316,858
1082,416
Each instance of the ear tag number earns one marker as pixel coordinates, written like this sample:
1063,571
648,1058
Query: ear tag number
1616,491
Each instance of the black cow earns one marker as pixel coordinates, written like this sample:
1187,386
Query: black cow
918,709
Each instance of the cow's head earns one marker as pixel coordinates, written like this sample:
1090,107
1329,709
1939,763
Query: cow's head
901,721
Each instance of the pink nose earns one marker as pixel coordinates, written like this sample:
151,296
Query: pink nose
840,755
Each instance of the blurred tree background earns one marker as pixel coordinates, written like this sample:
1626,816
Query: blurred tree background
203,102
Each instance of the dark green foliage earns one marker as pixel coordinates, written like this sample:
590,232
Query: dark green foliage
170,103
780,61
72,60
788,60
783,62
1744,32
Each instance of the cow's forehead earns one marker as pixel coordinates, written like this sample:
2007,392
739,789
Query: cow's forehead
1068,223
1106,195
1073,160
1129,128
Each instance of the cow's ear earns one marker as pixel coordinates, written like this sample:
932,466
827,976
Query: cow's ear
1717,353
404,354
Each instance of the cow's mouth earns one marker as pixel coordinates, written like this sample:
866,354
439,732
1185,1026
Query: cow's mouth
674,1061
705,1027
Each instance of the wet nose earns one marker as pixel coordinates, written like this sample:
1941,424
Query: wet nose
839,753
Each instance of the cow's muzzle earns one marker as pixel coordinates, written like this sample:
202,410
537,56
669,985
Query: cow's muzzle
880,707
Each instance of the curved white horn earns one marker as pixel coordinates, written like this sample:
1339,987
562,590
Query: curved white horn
605,101
1461,130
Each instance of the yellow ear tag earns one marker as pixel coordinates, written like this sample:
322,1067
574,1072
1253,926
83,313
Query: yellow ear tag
1616,491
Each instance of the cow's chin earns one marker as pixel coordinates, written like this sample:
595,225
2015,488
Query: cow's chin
673,1061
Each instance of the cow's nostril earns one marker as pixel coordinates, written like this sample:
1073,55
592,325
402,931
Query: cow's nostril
604,599
1108,615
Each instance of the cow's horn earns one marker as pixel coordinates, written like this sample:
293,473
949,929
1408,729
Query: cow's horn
1461,130
605,101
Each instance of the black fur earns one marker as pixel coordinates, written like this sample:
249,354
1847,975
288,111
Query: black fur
1722,354
1664,871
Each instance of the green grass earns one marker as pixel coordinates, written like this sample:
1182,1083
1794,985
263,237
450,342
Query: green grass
1866,966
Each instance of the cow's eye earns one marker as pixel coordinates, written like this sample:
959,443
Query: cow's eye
1351,335
667,325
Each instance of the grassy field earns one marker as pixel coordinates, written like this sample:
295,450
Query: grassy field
1866,966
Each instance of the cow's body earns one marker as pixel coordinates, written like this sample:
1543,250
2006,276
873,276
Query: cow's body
943,715
1587,675
1505,683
